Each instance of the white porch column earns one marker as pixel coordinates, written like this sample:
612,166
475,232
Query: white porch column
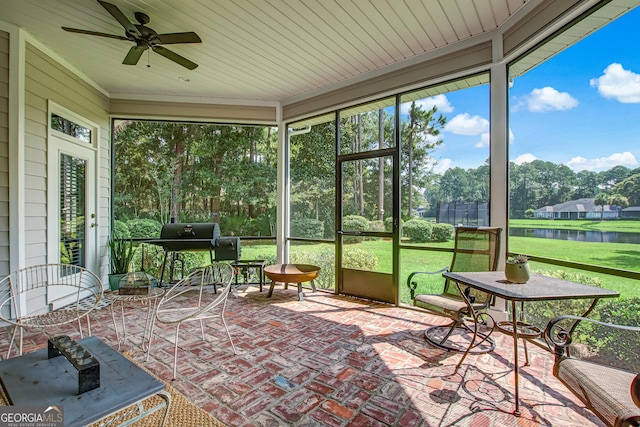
282,208
499,149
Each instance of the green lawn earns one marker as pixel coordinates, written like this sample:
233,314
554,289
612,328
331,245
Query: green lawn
616,255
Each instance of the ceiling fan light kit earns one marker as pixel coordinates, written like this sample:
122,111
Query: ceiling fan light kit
144,37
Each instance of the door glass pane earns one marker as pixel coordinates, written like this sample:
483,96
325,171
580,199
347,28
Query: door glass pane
366,197
367,127
70,128
72,210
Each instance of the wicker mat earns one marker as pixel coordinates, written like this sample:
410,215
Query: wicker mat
182,413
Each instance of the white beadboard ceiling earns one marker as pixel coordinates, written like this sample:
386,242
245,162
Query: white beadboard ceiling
254,50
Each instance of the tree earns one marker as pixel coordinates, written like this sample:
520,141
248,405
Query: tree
418,140
629,188
602,200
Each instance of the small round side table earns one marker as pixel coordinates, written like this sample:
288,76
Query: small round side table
150,300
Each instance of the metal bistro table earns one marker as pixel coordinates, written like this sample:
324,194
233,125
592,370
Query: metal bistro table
538,288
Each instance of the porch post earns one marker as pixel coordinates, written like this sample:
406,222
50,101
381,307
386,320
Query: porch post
499,159
282,208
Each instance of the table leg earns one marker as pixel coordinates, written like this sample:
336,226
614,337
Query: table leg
514,319
115,324
300,293
151,312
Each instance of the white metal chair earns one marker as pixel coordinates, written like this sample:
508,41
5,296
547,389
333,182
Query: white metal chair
194,298
48,295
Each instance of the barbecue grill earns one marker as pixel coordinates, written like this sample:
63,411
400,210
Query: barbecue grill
188,237
177,237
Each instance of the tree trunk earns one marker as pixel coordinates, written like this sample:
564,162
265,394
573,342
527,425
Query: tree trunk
176,187
412,125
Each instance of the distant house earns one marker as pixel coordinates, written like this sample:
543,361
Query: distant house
577,209
632,212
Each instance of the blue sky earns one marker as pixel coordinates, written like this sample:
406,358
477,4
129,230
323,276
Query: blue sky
580,108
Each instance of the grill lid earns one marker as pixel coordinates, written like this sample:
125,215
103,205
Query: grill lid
184,237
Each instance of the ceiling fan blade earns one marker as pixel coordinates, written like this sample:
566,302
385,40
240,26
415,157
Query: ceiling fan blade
175,57
93,33
174,38
119,16
134,54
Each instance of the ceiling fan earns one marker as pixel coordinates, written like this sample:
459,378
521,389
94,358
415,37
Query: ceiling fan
144,37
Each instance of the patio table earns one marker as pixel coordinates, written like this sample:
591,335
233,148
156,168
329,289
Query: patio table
538,288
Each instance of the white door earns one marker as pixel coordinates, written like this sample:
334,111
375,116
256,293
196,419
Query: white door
71,191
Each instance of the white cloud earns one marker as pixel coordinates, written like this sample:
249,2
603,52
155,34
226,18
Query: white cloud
525,158
439,101
485,139
603,163
441,166
549,99
464,124
619,84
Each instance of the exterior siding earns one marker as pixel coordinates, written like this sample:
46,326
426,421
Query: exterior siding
4,153
46,80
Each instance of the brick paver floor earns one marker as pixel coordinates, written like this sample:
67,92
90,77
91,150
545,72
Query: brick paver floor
339,361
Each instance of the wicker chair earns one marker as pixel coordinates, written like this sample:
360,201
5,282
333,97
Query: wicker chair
475,249
48,295
611,392
194,298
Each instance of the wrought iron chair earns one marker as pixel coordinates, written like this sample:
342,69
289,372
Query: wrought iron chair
194,298
475,249
609,387
48,295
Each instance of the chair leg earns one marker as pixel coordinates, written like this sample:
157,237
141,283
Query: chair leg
224,322
526,353
175,352
12,342
21,336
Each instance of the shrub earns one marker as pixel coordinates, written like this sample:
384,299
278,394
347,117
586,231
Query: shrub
325,259
144,228
441,232
360,259
377,226
232,225
418,230
388,224
354,222
120,230
307,227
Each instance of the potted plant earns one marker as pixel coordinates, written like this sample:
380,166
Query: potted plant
516,269
121,256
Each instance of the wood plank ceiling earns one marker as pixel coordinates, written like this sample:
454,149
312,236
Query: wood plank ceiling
254,50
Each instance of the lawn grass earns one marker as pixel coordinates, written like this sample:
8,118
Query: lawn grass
616,255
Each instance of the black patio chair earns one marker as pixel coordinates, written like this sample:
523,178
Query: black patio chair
476,249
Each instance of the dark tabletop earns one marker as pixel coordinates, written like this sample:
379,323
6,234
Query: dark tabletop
537,288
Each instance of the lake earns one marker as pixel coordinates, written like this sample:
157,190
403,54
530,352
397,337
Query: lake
576,235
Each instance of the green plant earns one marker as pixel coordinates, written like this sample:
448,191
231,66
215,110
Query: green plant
418,230
354,223
122,251
307,227
441,232
518,259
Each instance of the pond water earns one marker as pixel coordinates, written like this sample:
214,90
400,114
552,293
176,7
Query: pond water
579,236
